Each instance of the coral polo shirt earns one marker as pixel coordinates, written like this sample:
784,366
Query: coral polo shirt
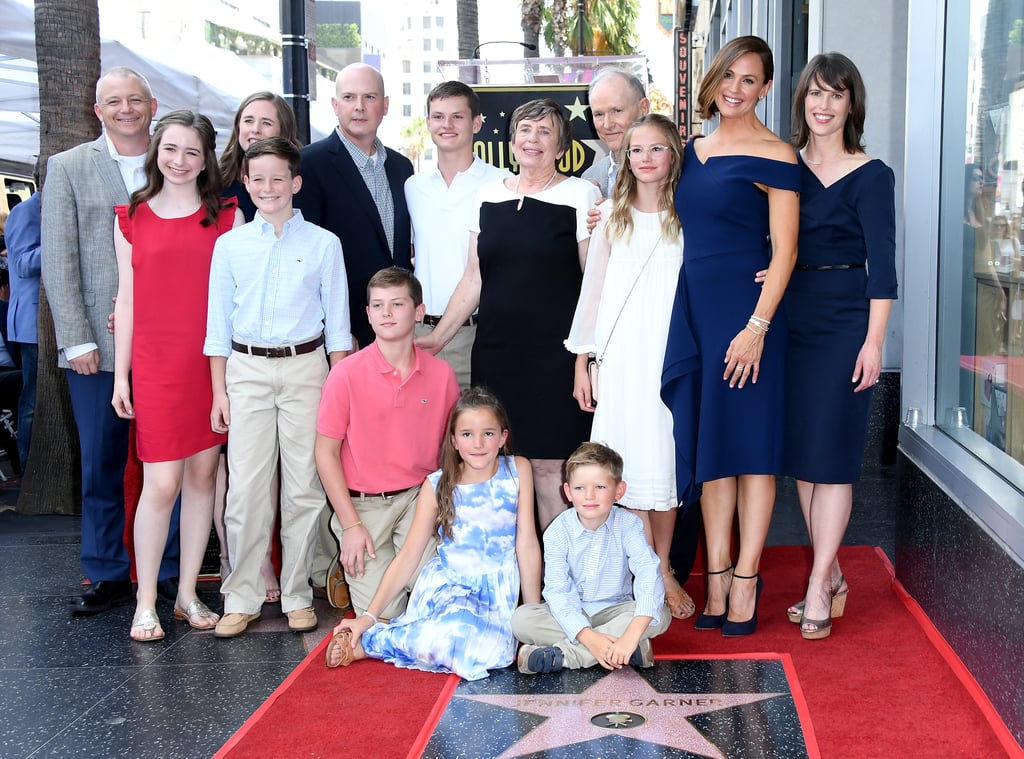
391,428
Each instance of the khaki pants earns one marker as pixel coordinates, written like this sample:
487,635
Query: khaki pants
457,352
388,521
325,548
534,624
274,403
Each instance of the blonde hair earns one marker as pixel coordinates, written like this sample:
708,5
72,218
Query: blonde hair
620,221
594,454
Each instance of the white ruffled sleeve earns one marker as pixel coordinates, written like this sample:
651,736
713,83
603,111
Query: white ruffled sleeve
582,338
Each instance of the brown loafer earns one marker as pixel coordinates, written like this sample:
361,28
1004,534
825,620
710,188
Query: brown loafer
302,620
234,624
337,588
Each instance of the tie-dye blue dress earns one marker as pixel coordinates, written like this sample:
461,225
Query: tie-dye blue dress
459,617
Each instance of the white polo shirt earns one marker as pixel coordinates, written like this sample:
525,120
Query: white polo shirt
441,219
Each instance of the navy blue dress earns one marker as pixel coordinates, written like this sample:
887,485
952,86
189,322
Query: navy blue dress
722,431
238,192
852,222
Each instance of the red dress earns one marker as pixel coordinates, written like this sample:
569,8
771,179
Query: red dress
171,388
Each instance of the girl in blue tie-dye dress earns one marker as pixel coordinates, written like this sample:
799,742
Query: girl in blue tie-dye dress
480,506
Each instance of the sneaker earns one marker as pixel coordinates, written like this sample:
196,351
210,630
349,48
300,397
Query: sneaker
643,656
302,620
539,659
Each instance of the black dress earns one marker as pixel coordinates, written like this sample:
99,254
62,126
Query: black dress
530,282
850,223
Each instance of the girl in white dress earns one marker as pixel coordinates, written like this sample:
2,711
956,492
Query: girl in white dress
622,319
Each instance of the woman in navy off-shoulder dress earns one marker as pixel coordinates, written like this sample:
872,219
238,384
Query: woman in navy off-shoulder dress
738,201
837,303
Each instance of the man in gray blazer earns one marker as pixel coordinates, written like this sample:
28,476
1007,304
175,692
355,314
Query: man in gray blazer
617,99
79,271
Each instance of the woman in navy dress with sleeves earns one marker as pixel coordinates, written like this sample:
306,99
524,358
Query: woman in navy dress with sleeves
259,116
837,304
738,202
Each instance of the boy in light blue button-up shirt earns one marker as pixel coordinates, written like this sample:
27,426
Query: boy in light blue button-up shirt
278,294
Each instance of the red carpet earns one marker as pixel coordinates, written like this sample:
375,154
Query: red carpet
885,684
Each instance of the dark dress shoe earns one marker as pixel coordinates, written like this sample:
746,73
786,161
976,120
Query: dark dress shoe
101,596
168,589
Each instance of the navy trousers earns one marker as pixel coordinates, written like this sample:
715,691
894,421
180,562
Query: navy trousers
103,439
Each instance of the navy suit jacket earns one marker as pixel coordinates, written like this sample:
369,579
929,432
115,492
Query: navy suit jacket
335,197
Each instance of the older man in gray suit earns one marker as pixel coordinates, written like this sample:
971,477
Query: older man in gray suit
79,271
617,99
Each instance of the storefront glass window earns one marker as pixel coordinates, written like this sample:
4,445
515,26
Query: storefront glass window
980,377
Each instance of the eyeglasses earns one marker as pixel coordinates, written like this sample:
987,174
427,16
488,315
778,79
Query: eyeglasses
653,150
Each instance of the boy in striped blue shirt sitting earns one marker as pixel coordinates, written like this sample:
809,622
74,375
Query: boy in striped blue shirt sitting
605,598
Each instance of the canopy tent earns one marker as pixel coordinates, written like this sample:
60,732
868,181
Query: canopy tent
201,77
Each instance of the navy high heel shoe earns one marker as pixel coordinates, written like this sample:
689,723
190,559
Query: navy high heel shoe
714,621
732,629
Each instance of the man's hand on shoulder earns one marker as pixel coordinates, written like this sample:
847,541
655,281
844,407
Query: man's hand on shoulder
429,344
594,215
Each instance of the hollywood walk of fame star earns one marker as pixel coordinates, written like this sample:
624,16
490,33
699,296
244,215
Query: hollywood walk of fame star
577,110
569,715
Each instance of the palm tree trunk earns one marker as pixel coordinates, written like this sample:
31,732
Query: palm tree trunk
68,58
533,14
469,37
559,34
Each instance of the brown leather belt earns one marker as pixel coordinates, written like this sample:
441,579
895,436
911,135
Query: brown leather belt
385,495
278,351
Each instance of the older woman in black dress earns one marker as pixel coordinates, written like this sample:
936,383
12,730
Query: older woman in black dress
838,304
525,269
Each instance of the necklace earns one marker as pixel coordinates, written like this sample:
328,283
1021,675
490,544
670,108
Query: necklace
522,196
810,161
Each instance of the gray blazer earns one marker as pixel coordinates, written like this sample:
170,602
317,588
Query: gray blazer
79,265
598,173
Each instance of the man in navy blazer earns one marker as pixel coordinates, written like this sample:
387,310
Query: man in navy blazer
347,190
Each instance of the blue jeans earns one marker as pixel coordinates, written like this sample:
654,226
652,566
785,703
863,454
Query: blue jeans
27,402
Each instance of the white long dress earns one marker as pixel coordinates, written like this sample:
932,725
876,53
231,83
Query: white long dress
631,285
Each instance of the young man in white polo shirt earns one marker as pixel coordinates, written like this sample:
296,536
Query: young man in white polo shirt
442,206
